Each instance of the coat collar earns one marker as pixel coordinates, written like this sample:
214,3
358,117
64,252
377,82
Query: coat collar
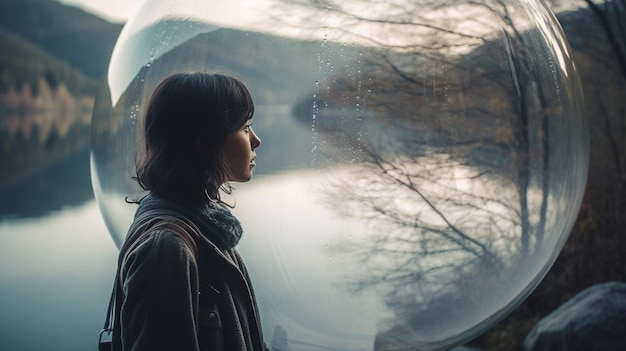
215,221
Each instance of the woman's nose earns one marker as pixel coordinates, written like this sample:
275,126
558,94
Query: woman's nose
255,141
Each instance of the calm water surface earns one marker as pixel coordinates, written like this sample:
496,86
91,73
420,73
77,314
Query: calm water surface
57,259
56,273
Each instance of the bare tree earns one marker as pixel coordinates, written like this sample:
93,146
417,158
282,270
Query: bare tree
446,112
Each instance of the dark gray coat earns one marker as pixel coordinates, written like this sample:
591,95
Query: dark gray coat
172,299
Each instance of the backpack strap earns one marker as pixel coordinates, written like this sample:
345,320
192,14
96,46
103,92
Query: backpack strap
180,226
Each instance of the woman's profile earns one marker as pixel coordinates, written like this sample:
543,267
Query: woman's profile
181,284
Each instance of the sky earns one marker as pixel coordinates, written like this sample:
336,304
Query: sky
118,11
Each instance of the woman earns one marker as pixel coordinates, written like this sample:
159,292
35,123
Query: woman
182,285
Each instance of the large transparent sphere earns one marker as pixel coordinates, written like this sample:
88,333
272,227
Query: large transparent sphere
422,161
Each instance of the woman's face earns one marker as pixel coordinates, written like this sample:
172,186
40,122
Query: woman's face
239,153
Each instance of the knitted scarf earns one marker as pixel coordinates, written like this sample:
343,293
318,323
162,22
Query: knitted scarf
215,221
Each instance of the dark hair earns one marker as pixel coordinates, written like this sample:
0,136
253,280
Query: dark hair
186,122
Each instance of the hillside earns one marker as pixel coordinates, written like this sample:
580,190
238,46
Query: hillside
22,63
82,40
52,57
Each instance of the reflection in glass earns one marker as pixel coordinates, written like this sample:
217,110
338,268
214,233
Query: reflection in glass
422,163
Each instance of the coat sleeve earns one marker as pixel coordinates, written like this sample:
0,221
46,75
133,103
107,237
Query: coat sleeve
160,286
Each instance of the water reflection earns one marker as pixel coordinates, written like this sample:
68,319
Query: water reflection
45,141
65,183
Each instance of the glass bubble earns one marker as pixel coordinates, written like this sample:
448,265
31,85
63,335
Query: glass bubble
422,162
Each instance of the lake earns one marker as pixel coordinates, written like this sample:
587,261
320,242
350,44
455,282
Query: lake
56,273
57,264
